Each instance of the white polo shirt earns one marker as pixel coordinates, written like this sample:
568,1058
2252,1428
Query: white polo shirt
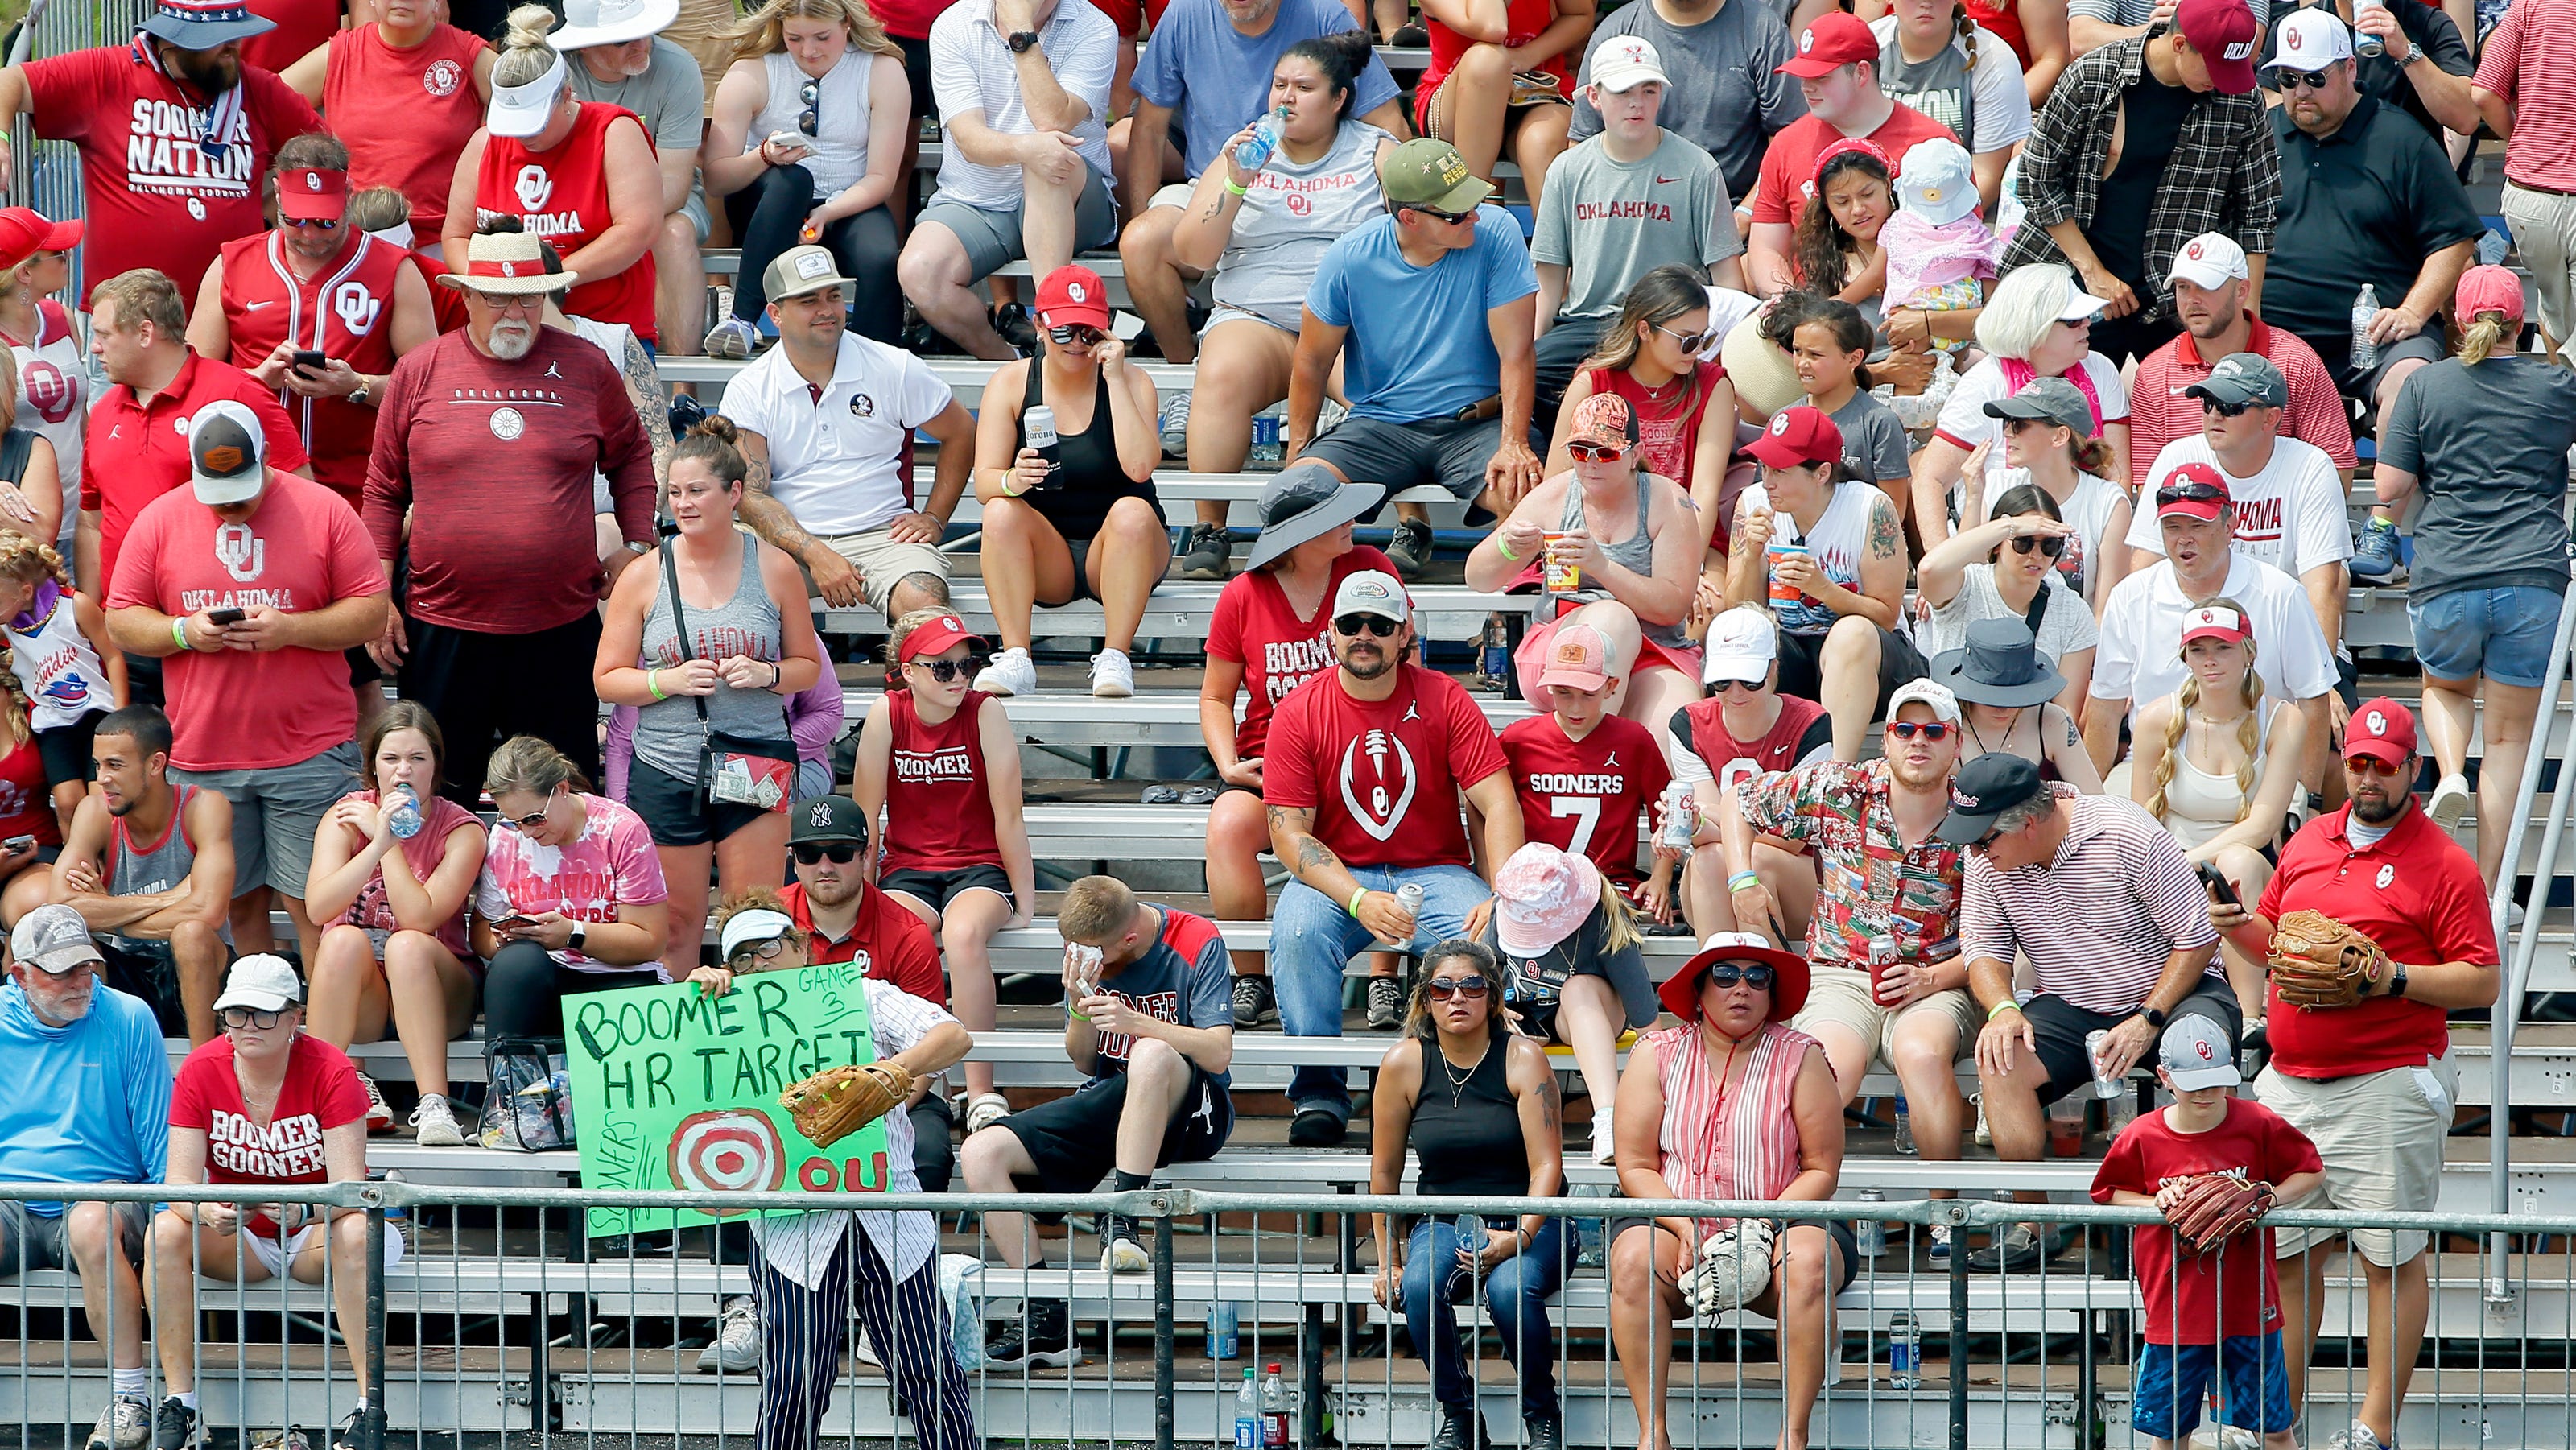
2140,656
836,460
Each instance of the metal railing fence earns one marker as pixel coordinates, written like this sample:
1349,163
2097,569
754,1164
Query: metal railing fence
497,1321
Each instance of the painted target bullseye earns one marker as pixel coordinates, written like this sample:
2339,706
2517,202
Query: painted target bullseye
728,1150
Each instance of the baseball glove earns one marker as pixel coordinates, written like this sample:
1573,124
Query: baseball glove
838,1101
1733,1268
2214,1208
2317,961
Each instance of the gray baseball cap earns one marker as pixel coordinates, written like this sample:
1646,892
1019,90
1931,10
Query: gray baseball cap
2198,1055
2048,400
53,940
2241,378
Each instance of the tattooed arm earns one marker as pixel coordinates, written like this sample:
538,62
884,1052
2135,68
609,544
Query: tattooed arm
1293,841
1882,571
834,578
644,389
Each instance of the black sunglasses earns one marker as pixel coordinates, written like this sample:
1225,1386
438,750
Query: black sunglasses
1928,729
1986,842
945,671
1458,986
2190,493
839,853
1083,333
1453,218
2049,544
1727,974
1356,625
2306,80
2226,410
809,95
246,1017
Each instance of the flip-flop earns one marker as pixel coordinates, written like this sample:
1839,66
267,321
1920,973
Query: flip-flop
1199,795
1159,795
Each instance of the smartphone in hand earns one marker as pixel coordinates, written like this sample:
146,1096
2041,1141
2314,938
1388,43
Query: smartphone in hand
225,618
311,362
2221,890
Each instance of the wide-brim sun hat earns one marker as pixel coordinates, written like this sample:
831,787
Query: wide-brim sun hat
1999,665
1304,503
612,22
205,24
1680,991
509,264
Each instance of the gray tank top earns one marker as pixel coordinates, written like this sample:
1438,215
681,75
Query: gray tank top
1636,554
840,138
136,870
1289,216
666,731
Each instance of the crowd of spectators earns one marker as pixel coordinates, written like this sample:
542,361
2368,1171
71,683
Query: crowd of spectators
1926,429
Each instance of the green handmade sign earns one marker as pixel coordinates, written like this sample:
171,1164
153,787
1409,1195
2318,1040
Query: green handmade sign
674,1089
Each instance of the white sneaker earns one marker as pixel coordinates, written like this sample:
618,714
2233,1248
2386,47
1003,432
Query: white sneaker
2451,800
1603,1141
434,1123
732,338
2359,1437
379,1115
984,1110
125,1424
1012,672
1112,677
736,1347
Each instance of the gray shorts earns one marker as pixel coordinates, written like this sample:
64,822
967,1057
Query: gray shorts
1398,456
276,813
695,209
45,1240
992,238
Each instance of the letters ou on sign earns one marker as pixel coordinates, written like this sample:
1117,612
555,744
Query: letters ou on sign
673,1089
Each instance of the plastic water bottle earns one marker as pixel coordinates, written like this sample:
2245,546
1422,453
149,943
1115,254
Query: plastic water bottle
1224,1330
1256,149
1274,1410
1904,1128
1409,896
2365,306
1247,1413
1871,1233
405,821
2365,44
1589,1233
1269,447
1904,1353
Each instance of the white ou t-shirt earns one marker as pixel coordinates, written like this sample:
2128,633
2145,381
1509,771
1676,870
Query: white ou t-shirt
1963,419
2290,515
2087,511
836,461
2140,657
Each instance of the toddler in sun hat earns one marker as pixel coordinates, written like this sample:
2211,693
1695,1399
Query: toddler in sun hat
1939,249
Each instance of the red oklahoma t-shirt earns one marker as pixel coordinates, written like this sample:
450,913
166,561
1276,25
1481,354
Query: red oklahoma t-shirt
2186,1298
1256,627
155,198
897,946
321,1092
1788,175
301,551
1586,796
1383,776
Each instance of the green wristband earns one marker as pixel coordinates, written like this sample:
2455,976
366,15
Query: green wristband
2000,1008
179,631
1742,879
1353,905
1237,190
1503,547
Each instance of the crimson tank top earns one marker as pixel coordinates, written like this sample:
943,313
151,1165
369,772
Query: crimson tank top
939,804
562,195
404,114
344,311
1668,417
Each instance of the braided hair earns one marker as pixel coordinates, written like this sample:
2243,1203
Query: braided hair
2249,734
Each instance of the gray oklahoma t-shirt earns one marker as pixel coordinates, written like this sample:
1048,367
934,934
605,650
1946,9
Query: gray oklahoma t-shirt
1610,223
2488,448
1726,95
670,97
1289,216
1874,445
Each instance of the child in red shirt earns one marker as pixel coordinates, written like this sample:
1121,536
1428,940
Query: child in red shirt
2218,1315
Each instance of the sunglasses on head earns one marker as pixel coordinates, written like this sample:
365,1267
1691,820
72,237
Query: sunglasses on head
1727,974
814,853
2189,493
1928,729
2226,410
809,95
1453,218
1594,453
2049,544
2302,80
759,950
318,224
1356,625
246,1017
1458,986
944,671
1082,333
1690,342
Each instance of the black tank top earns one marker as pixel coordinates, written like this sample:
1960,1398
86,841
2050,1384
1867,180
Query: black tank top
1089,478
1474,1147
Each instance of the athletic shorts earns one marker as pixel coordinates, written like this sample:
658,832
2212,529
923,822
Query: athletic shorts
2060,1028
2173,1379
678,813
44,1240
277,812
1802,666
1450,452
66,750
935,889
992,239
275,1256
1074,1140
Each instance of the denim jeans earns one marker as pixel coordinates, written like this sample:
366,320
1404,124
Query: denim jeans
1312,939
1516,1293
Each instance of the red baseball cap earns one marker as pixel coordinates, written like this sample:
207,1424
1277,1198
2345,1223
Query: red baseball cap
310,193
2381,730
24,232
1798,436
933,636
2224,33
1838,38
1073,294
2482,289
2204,508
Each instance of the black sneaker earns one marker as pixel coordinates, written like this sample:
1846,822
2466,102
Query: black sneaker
1253,1002
1208,554
1409,37
174,1426
1011,320
1044,1338
1411,549
2018,1249
1122,1245
1461,1428
1317,1128
1542,1432
1385,1003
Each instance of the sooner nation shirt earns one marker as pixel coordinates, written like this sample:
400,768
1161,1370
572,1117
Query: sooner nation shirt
2196,1298
1586,796
156,192
321,1092
1382,776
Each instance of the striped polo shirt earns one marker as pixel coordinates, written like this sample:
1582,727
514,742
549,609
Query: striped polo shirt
2098,921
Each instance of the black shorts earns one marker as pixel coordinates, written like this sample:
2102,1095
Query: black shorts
1802,672
1074,1140
65,749
678,813
935,889
363,669
2362,385
148,970
2059,1027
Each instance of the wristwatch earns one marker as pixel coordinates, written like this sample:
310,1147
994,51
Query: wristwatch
2155,1019
359,395
580,931
633,547
1021,42
2396,978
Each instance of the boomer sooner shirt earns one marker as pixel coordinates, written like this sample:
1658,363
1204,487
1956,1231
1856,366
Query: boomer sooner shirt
321,1092
1382,776
1586,796
159,190
1184,978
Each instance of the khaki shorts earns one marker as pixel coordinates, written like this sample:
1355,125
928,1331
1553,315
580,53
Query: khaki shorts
1840,995
883,562
2380,1135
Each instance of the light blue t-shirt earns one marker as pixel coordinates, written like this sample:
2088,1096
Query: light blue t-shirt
1425,350
87,1103
1215,78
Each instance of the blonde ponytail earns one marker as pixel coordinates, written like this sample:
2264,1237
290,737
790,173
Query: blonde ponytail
2479,342
2249,736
